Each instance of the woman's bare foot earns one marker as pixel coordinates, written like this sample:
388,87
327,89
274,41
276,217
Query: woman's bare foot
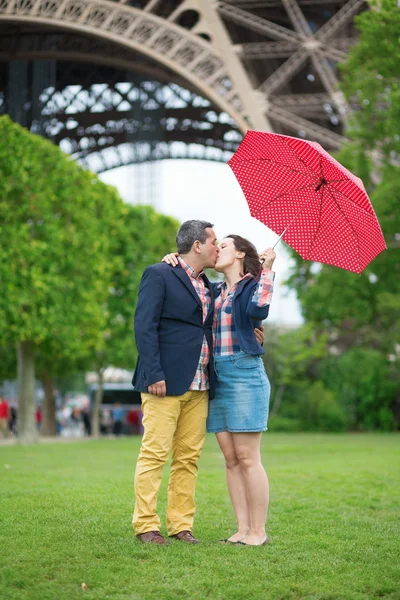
238,536
255,540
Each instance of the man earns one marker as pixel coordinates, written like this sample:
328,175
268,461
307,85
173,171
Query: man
173,330
117,415
175,373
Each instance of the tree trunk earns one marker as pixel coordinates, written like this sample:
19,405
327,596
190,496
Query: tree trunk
49,426
97,403
277,400
26,422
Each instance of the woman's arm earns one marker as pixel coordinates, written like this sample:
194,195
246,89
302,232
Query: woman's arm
258,306
259,303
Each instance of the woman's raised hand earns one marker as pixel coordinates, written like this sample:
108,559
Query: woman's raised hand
267,257
171,259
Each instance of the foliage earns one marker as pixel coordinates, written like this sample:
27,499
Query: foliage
291,357
57,222
321,411
8,363
319,384
299,400
73,383
284,424
371,79
363,380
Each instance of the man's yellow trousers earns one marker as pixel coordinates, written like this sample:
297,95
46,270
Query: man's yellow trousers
176,423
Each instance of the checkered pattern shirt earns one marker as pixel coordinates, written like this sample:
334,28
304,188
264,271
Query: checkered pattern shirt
224,330
200,381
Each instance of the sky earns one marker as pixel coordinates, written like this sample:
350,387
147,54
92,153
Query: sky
194,189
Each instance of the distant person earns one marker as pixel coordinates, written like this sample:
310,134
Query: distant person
87,422
117,414
38,417
132,419
76,422
105,422
59,421
4,417
13,420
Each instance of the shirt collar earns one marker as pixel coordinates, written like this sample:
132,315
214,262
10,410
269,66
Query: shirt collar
247,276
191,272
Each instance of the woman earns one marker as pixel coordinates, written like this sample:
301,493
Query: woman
239,412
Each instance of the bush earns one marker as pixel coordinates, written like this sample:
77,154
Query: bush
362,380
276,423
386,420
322,410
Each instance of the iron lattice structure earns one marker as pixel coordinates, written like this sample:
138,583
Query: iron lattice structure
121,82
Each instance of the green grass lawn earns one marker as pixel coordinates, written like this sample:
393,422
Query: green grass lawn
65,519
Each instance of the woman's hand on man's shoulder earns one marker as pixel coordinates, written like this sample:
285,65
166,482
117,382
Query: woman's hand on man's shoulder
171,259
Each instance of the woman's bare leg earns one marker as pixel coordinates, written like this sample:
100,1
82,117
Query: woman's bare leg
247,451
236,486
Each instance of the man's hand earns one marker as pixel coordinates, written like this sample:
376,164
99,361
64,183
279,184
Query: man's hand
159,388
260,335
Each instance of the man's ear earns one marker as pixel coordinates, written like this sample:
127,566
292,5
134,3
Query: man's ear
197,247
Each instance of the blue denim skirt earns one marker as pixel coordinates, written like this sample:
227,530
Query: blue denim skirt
241,401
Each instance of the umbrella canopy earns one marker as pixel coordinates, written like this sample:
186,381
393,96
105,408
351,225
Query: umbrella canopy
294,186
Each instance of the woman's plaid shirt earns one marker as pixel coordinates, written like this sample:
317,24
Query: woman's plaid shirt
224,330
200,381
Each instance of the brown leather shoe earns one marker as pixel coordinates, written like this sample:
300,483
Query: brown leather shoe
152,537
186,536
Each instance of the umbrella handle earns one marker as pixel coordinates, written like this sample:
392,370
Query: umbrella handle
279,238
277,242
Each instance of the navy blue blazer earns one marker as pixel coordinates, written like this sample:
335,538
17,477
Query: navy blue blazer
169,330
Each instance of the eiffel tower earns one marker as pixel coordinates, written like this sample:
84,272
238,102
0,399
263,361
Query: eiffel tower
123,82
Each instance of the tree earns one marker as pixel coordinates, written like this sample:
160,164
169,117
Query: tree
371,80
57,223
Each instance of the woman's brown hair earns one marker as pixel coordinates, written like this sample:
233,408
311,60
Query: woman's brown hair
251,260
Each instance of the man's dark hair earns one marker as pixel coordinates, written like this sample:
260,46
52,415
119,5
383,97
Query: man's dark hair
189,232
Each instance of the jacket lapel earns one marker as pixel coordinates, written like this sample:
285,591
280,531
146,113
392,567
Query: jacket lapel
181,274
242,285
210,288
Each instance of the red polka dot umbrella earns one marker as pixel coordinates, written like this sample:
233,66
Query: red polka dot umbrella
295,187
